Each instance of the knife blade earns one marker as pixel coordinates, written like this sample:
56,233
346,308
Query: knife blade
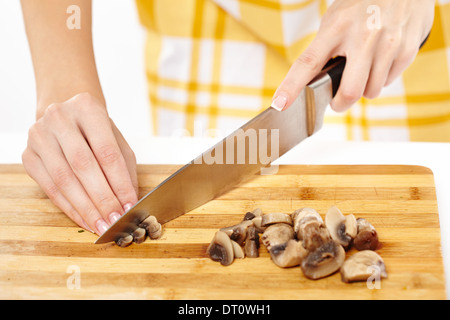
237,157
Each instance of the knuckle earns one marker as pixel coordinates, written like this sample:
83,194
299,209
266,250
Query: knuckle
27,157
309,59
81,160
407,56
108,154
105,200
54,112
52,192
350,95
35,133
124,193
62,177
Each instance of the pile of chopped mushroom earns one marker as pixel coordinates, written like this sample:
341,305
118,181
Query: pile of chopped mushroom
303,238
149,227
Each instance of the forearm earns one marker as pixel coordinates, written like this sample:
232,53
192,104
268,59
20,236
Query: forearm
63,58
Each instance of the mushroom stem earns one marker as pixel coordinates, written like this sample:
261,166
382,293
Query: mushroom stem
367,236
252,243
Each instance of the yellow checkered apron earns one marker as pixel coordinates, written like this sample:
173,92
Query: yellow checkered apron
212,65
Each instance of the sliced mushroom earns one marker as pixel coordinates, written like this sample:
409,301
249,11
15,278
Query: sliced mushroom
251,247
139,235
277,234
152,226
289,254
342,229
237,250
157,233
238,232
276,217
323,261
314,235
301,216
367,236
362,265
220,249
257,223
125,241
253,214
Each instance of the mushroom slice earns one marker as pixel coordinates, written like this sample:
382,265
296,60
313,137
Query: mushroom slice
238,232
367,237
277,234
276,217
152,226
289,254
139,235
301,216
220,249
252,243
351,227
362,265
157,233
257,223
125,241
237,250
337,223
253,214
323,261
314,235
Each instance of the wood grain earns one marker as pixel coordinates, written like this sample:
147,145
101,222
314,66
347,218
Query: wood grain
40,246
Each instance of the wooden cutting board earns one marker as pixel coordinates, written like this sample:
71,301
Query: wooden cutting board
43,255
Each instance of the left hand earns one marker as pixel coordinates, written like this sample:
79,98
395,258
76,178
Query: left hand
379,38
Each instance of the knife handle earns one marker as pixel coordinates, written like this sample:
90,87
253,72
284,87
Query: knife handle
335,68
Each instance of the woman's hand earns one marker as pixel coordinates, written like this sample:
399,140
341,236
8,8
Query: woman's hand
82,162
379,38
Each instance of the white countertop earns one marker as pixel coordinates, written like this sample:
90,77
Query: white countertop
173,150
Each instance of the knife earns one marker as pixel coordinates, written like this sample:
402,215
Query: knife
237,157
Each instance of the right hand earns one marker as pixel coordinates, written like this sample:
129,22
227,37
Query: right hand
82,162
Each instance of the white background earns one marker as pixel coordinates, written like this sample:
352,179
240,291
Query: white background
119,46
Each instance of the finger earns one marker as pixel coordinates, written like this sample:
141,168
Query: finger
382,63
100,136
130,158
36,170
303,70
65,179
87,170
353,83
409,48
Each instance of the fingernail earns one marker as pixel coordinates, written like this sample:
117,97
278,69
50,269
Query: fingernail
101,226
279,103
113,217
127,207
